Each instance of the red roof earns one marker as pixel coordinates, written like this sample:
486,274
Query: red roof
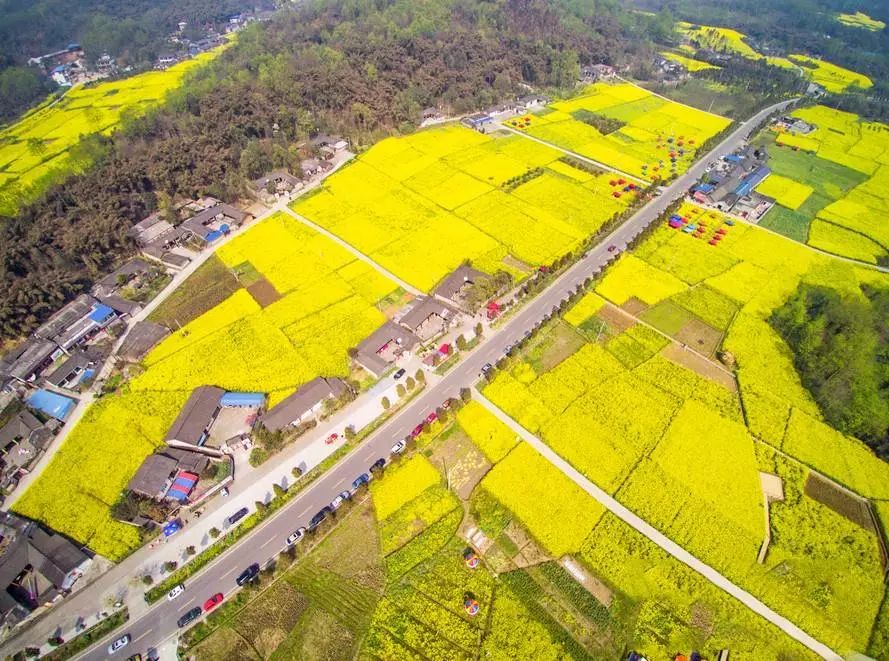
493,305
445,349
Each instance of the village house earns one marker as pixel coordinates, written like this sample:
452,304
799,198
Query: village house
37,567
592,73
328,145
454,288
313,166
122,276
427,318
28,360
170,473
77,322
22,440
733,179
385,345
303,405
276,183
214,222
531,101
77,368
191,426
478,121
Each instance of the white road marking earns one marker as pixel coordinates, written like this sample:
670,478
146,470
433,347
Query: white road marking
230,571
190,604
266,543
305,511
143,635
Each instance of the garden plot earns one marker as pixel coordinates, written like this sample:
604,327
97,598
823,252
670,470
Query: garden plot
657,137
423,204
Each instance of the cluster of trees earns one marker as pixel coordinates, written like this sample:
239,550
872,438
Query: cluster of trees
841,353
133,31
364,69
605,125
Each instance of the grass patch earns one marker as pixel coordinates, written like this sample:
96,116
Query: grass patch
792,224
551,347
90,636
204,289
666,317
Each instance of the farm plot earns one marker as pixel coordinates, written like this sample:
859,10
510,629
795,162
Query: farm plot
658,137
328,306
861,20
36,151
692,65
845,161
422,204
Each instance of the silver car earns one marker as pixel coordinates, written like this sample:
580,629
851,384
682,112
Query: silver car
119,643
295,536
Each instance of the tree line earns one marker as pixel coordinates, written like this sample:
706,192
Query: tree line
363,69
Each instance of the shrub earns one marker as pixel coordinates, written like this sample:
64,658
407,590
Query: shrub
258,455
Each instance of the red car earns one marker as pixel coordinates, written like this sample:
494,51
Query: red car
446,404
612,248
331,439
417,431
213,602
431,418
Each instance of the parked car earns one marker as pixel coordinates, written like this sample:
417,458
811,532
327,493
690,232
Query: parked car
508,349
432,417
175,592
416,431
612,248
378,464
447,403
295,536
346,495
317,519
527,334
248,574
237,516
487,367
119,643
336,503
330,440
398,374
364,478
213,602
135,657
189,617
398,448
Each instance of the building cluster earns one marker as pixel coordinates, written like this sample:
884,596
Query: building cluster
183,44
668,71
70,66
37,567
521,104
729,184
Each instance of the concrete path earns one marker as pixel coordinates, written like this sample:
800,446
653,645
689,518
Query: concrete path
659,538
352,249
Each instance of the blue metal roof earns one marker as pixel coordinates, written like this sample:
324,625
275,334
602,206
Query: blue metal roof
51,404
242,399
733,158
101,313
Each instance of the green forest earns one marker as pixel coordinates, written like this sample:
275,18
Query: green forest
842,355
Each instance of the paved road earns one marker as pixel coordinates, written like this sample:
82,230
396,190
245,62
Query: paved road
159,622
656,536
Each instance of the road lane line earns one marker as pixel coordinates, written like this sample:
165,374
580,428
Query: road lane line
143,635
190,604
266,543
230,571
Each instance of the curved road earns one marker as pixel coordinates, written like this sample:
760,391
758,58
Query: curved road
158,624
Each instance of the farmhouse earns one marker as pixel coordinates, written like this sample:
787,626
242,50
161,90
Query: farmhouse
427,318
80,366
214,222
312,166
141,339
454,288
75,323
28,360
150,229
477,121
36,567
170,473
531,101
22,440
191,426
329,145
122,275
275,183
384,346
734,180
303,405
795,125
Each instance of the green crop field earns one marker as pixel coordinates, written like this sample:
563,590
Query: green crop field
39,150
832,184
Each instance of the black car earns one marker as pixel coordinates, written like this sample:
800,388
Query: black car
317,519
364,478
248,574
189,617
378,464
237,516
398,374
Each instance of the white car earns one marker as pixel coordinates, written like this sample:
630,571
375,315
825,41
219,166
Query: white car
175,592
336,503
398,448
119,643
295,536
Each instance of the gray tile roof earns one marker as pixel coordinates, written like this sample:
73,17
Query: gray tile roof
422,309
27,358
367,352
301,402
65,318
454,282
19,427
196,415
141,339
